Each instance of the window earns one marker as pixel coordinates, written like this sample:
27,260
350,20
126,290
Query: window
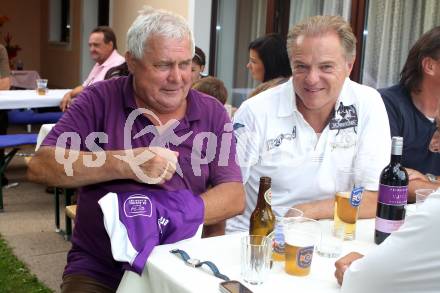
391,30
300,9
59,21
238,23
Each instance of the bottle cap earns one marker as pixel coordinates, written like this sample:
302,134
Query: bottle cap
397,145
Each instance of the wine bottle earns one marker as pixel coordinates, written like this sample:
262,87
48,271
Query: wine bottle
393,194
262,221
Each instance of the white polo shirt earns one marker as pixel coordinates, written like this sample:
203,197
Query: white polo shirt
407,261
274,140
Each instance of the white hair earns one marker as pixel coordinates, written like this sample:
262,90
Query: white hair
156,22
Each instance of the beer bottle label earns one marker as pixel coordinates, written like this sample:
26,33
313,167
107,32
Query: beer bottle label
304,257
278,243
356,196
268,196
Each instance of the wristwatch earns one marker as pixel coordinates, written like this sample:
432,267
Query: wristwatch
196,263
431,177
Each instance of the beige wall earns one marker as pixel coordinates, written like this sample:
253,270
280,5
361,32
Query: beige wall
125,11
60,64
23,25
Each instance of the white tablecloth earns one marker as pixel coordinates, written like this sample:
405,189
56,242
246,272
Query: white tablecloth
167,273
18,99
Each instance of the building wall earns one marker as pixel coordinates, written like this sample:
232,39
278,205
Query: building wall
60,63
124,12
23,15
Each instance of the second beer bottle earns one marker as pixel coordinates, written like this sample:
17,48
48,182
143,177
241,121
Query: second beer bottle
262,221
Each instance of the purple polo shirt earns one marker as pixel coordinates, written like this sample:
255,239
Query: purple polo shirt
104,107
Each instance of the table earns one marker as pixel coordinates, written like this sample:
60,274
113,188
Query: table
166,273
24,79
18,99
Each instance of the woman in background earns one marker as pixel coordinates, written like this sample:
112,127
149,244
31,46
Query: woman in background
198,64
268,58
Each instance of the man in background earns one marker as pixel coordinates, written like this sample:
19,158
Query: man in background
5,83
5,80
103,50
412,105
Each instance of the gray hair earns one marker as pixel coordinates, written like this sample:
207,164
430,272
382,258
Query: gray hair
156,22
320,25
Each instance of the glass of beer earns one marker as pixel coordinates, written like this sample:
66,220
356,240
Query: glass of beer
348,196
41,86
300,235
282,214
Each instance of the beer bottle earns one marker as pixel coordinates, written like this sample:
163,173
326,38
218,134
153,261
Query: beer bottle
262,220
393,194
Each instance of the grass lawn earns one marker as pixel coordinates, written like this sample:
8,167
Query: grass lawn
14,276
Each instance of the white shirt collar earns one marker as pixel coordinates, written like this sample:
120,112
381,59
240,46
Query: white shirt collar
287,104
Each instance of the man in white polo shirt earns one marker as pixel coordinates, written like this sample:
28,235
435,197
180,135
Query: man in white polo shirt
408,261
300,132
104,51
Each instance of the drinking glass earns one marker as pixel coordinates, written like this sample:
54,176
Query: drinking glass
348,196
301,235
256,252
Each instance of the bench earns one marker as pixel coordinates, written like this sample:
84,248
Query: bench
13,141
71,211
69,215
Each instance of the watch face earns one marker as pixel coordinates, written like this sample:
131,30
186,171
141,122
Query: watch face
193,261
431,177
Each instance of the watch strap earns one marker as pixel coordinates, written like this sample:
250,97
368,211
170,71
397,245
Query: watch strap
197,263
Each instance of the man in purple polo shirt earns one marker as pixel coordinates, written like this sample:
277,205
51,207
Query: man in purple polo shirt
147,130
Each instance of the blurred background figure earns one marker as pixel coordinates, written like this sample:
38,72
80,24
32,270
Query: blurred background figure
412,106
268,58
198,64
212,86
216,88
104,50
5,83
267,85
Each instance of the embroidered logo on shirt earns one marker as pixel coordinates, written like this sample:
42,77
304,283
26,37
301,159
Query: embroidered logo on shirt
276,142
237,126
345,117
137,205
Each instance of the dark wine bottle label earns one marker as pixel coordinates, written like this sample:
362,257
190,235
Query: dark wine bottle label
393,195
388,226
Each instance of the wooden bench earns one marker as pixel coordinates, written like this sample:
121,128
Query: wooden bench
71,211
